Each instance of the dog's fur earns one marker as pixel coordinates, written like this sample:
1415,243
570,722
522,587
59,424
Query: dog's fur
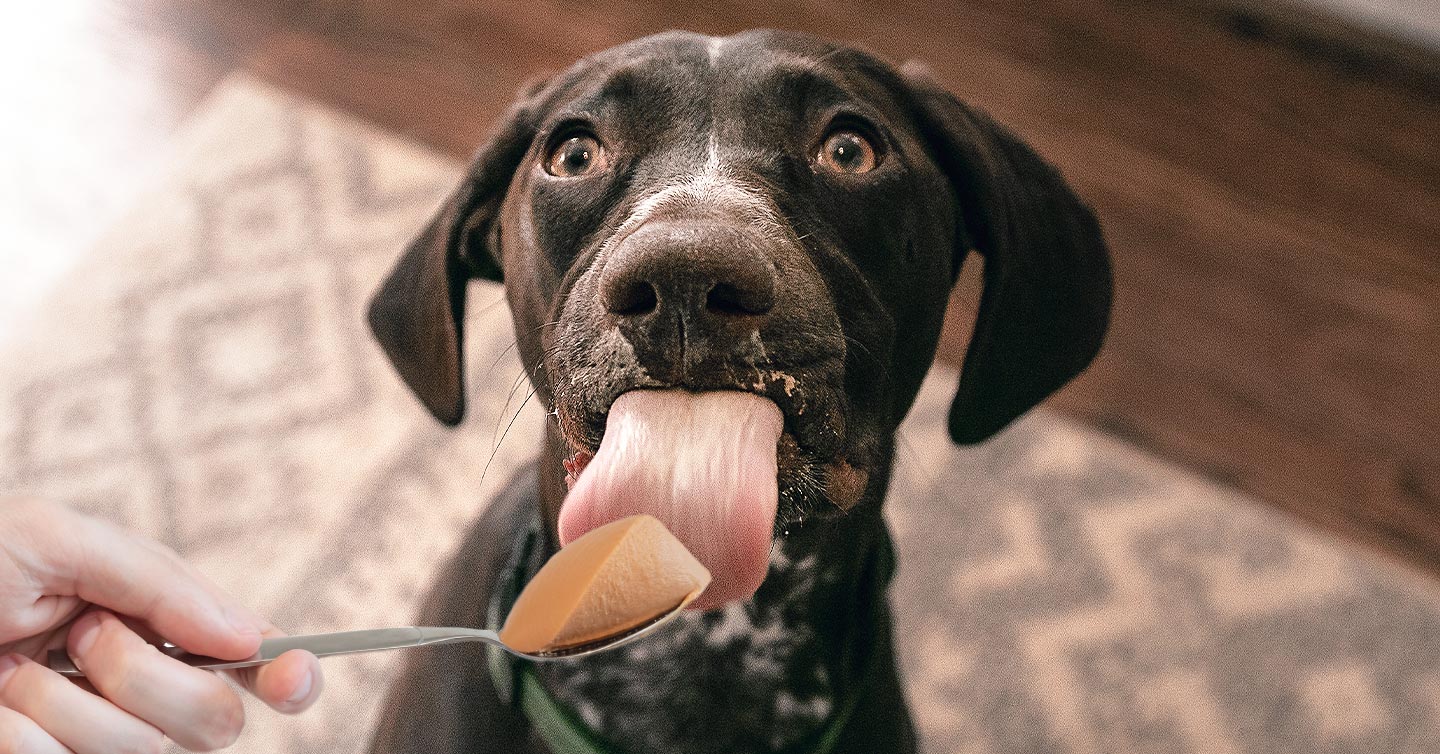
839,284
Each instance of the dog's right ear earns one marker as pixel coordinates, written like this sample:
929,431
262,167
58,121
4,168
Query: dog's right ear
1046,301
418,312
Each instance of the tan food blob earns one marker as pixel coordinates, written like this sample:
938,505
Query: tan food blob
613,579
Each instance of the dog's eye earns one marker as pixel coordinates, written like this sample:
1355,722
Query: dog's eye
575,156
846,151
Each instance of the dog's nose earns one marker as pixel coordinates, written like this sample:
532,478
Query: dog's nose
707,274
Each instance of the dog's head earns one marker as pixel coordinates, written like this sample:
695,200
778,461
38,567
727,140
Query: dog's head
767,212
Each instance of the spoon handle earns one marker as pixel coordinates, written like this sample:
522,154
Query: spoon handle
320,645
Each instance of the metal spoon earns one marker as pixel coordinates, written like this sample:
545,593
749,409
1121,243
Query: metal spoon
377,639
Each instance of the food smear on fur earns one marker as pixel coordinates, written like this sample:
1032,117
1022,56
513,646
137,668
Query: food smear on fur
613,579
704,464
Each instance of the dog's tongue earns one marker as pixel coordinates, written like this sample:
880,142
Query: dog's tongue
702,463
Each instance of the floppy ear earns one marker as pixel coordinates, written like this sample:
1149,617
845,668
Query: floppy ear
418,312
1045,304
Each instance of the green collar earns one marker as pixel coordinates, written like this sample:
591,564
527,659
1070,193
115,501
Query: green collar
562,730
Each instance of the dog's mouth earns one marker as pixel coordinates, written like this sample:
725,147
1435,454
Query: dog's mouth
723,469
725,443
798,461
704,464
811,464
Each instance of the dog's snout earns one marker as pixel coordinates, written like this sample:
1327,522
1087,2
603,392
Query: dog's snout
689,296
695,271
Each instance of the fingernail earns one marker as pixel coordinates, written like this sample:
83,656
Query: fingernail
85,631
9,663
302,692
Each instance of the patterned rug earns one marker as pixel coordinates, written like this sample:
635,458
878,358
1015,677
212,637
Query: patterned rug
206,378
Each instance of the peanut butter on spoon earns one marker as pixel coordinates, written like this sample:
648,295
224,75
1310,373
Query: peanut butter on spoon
615,578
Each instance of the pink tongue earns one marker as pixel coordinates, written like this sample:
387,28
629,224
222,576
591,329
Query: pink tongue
702,463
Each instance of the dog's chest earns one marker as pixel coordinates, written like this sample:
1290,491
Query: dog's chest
752,676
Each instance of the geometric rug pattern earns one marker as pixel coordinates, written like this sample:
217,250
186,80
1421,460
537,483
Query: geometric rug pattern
205,377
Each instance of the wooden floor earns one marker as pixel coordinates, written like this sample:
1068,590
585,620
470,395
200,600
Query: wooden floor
1270,185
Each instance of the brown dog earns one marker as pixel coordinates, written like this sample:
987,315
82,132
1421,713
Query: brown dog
772,221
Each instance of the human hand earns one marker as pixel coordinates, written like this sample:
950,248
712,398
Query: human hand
61,576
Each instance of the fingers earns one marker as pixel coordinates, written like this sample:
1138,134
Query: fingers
290,684
75,718
108,566
20,735
194,708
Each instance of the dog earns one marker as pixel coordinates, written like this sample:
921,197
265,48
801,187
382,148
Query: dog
768,215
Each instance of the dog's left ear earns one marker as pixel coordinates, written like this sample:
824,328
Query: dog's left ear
418,313
1045,304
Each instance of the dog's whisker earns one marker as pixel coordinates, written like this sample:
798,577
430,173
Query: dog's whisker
500,358
883,367
496,450
486,308
542,326
515,386
513,343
